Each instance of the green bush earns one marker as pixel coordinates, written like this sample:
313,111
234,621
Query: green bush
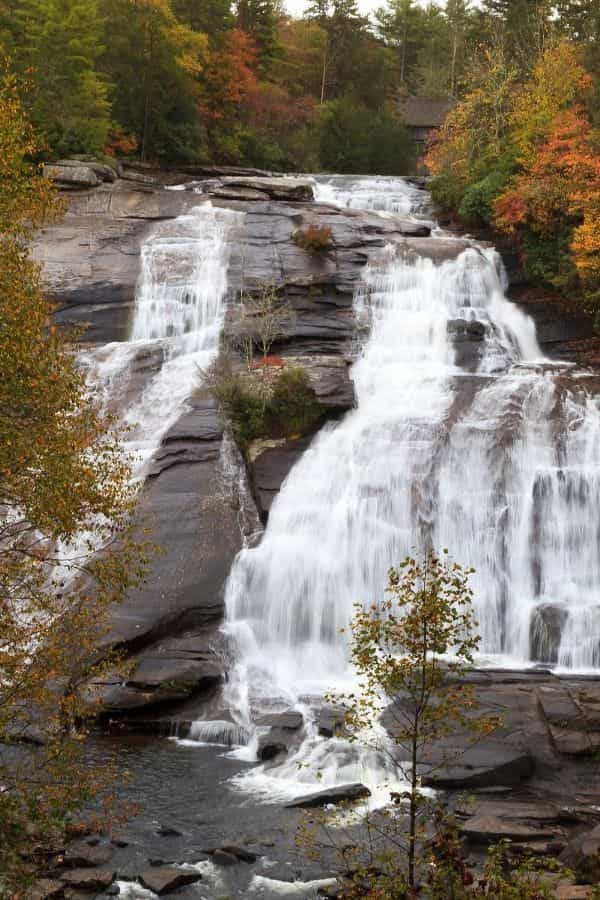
292,408
477,204
446,192
263,405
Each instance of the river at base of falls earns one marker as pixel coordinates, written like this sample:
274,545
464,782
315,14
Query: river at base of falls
497,460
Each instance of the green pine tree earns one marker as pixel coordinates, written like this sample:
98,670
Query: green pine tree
58,43
259,19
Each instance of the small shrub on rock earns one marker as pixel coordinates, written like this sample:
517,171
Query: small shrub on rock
314,238
256,406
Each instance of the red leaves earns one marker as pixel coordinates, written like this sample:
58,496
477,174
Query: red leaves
229,74
561,178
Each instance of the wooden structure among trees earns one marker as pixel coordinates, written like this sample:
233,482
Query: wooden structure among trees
421,115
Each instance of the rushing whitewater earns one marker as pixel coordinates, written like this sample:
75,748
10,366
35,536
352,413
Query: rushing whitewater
497,460
383,195
179,309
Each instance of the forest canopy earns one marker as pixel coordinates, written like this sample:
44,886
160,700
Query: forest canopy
208,81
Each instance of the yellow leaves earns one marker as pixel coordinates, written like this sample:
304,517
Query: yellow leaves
191,47
61,470
586,244
557,80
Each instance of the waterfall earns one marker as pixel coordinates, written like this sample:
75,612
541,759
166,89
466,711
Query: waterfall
383,195
495,456
178,316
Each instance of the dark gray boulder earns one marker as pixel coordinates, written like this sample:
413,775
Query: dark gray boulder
275,742
88,879
240,853
331,721
339,794
223,858
165,880
582,854
81,856
290,719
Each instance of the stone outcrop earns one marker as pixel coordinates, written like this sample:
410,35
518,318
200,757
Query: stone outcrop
165,879
343,793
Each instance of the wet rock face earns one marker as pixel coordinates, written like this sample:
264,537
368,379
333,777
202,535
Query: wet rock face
547,624
342,793
165,880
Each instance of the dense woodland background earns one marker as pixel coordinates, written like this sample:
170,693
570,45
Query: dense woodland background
187,81
176,82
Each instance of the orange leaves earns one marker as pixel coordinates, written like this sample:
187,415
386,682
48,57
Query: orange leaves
561,178
586,244
557,81
62,471
270,105
229,74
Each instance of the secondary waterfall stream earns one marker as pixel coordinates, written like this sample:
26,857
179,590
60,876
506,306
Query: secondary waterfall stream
495,456
178,316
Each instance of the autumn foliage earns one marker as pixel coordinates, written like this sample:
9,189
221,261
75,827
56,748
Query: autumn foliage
314,238
524,156
66,548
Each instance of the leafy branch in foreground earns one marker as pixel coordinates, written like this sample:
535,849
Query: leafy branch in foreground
410,652
67,550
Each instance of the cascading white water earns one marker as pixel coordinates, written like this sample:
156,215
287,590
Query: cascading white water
498,461
175,332
384,195
177,322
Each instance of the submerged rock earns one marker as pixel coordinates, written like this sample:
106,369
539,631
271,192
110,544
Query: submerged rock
337,794
545,630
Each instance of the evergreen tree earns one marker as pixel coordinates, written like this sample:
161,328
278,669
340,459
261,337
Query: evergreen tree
259,19
521,26
153,60
401,26
58,43
211,17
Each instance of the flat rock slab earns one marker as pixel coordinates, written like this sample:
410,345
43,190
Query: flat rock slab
575,742
288,719
167,879
84,856
89,879
488,828
70,176
523,811
275,188
489,763
338,794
